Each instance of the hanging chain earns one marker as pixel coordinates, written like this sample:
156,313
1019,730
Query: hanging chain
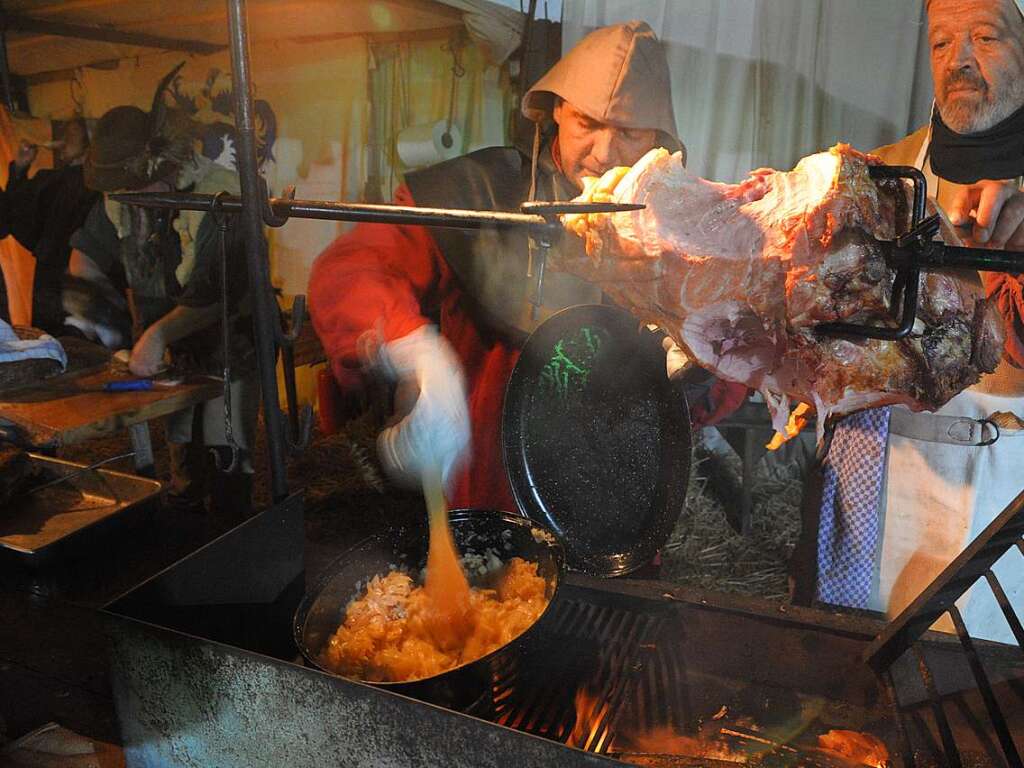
221,220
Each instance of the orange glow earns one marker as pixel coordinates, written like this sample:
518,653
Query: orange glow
381,16
389,634
665,741
450,619
590,717
854,746
797,421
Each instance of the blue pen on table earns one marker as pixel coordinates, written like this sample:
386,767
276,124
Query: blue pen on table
138,385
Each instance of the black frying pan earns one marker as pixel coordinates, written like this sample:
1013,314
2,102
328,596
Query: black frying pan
596,439
323,608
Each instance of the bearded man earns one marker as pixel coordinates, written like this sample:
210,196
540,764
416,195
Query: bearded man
903,493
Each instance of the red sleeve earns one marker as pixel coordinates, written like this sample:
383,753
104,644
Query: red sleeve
1008,294
378,277
722,400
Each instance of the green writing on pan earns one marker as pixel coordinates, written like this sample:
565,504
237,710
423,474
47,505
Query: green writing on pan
566,372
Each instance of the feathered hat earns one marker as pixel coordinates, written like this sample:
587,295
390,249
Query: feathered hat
131,148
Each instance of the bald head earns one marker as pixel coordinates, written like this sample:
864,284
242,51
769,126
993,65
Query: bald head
977,58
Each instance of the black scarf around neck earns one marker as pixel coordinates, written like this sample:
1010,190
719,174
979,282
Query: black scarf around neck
997,153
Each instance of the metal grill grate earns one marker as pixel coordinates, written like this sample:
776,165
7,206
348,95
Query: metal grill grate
967,680
603,652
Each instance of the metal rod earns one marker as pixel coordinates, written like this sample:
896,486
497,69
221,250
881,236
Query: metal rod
952,755
20,23
79,471
890,693
995,713
265,310
908,280
1006,607
941,256
981,554
898,172
374,213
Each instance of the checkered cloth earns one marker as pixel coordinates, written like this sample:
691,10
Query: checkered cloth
848,530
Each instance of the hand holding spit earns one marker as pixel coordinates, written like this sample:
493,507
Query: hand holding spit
994,211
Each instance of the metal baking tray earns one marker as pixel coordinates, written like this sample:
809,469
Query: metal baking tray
33,524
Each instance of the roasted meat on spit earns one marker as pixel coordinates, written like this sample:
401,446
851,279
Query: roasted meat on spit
740,275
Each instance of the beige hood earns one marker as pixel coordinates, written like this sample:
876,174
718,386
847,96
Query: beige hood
618,75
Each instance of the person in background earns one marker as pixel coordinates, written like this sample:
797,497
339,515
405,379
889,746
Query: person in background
172,265
42,212
903,493
445,312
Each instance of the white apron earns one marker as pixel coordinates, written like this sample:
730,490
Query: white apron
938,496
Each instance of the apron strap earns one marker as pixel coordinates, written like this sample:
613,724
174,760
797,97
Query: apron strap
934,428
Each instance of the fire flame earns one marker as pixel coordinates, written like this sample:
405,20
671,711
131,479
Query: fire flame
590,715
852,748
665,741
856,747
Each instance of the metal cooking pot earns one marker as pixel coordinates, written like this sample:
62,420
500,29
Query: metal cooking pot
323,608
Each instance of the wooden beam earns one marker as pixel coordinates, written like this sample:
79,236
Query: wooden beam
17,23
71,6
57,75
410,36
406,36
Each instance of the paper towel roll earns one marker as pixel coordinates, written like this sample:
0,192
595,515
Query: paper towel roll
426,144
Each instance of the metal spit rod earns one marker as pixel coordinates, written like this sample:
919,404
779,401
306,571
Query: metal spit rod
265,311
542,215
917,251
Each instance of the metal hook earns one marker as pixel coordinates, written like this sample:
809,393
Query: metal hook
217,212
995,431
302,432
298,320
270,218
220,219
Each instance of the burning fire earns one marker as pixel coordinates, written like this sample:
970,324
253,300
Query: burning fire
665,741
852,748
725,743
856,747
590,716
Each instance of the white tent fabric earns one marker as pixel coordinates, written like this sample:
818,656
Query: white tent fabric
765,82
496,28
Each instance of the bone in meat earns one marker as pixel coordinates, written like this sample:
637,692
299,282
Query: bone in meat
740,275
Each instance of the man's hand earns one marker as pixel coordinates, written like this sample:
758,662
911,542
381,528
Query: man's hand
677,362
435,433
995,212
148,353
181,322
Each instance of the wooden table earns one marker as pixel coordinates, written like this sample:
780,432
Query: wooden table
73,407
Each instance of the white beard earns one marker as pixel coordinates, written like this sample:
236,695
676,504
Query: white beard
967,118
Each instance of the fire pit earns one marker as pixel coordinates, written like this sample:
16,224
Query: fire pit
206,673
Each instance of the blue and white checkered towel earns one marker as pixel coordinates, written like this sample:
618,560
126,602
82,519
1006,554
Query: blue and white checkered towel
13,348
848,531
